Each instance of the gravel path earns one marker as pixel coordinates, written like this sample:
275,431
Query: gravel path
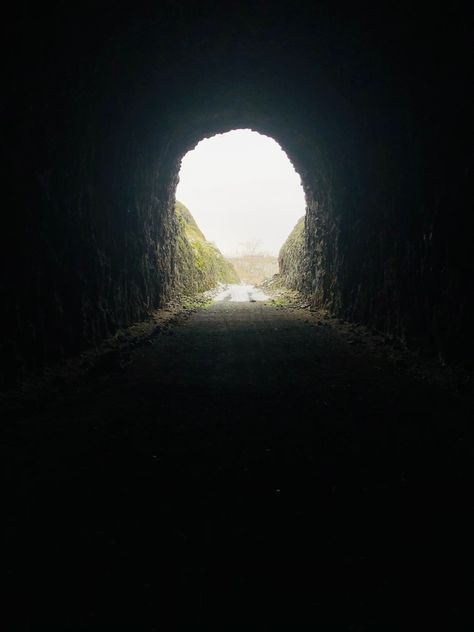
248,460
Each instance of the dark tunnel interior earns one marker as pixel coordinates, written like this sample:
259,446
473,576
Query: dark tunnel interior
370,105
371,102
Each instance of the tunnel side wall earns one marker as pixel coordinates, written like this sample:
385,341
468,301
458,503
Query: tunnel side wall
388,232
89,252
88,227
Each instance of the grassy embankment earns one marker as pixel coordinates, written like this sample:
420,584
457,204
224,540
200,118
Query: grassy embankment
254,269
200,265
291,258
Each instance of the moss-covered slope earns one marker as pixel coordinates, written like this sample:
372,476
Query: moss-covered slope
292,258
199,265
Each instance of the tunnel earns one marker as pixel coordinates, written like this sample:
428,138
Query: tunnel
370,101
94,136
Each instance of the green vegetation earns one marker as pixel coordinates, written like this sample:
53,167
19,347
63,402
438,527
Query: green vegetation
200,265
279,301
292,257
254,269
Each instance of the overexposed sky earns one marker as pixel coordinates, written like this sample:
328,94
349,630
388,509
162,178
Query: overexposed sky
241,187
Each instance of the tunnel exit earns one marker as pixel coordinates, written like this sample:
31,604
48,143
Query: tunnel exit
245,195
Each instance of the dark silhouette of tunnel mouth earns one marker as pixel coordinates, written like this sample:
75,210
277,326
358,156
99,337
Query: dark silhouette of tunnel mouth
333,489
104,148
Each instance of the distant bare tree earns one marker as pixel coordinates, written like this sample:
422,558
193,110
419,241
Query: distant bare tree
251,248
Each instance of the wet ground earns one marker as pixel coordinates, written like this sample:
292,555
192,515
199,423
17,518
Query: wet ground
240,293
252,468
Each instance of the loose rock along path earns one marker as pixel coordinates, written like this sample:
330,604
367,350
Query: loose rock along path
251,460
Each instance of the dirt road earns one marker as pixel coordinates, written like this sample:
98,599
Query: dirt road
248,469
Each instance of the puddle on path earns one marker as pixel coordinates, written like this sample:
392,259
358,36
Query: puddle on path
240,294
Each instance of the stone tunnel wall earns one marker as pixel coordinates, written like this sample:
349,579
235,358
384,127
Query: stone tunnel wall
369,102
91,249
88,227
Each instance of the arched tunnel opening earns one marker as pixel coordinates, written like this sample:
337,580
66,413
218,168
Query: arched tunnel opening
238,199
269,465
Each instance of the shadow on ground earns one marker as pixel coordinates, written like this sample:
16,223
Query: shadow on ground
247,467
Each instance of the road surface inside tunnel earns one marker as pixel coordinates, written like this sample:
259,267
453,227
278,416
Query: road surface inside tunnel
249,459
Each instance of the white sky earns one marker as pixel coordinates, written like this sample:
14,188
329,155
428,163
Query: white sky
241,187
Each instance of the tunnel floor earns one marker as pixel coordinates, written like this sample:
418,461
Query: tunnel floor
247,467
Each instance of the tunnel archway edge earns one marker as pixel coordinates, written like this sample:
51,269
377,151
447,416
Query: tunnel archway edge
91,156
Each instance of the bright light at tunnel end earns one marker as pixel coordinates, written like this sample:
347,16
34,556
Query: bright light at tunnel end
241,188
